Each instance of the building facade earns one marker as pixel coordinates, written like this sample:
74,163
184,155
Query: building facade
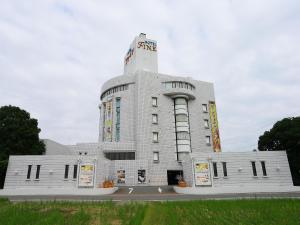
154,129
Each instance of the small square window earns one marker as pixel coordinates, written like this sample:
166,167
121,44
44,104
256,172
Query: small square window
155,137
154,101
204,108
206,124
155,156
207,138
154,118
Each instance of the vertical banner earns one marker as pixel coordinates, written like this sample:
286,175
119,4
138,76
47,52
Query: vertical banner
141,176
202,174
121,176
86,175
214,127
108,121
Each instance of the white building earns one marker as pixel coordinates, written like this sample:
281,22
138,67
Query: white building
153,129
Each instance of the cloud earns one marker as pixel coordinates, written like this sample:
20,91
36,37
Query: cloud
55,56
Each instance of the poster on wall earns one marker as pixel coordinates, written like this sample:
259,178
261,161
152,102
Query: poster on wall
214,127
108,121
86,175
121,176
141,176
202,174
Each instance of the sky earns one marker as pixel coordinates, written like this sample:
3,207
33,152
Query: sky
55,56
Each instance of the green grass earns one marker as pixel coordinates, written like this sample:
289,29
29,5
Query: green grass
256,211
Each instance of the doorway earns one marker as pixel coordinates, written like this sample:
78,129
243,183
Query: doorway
173,176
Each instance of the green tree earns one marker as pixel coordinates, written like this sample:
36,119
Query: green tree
19,135
284,135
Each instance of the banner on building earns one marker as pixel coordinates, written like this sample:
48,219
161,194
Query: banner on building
141,176
202,174
121,176
108,121
214,127
86,175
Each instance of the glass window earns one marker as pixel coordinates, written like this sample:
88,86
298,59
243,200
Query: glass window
224,169
120,155
215,169
207,140
206,124
183,136
66,171
204,107
181,118
155,137
75,171
154,118
29,171
180,101
37,175
154,101
254,169
263,166
156,156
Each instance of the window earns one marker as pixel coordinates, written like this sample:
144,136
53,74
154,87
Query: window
183,135
254,169
263,166
118,106
29,171
181,118
37,175
204,108
155,156
155,137
206,124
154,118
85,153
75,171
66,171
80,153
215,169
207,138
224,169
120,155
154,101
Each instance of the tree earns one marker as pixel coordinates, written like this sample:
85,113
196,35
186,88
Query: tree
19,135
285,135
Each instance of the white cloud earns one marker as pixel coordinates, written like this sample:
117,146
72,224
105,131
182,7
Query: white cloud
55,55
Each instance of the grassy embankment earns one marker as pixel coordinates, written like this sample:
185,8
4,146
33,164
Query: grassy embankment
272,211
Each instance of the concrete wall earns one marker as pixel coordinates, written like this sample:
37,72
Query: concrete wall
51,173
55,148
239,168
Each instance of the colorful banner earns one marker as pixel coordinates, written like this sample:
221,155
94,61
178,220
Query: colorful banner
86,175
214,127
202,174
108,121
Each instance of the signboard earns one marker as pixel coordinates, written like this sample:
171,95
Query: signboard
141,176
214,127
108,121
147,45
202,174
86,175
121,176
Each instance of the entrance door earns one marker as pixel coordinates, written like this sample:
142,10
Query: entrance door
173,176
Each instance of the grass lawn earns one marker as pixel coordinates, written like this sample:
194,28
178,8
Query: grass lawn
233,212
